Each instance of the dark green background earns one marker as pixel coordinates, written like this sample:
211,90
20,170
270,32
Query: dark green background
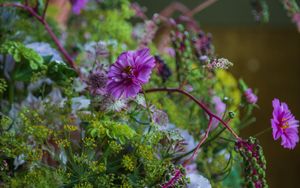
268,58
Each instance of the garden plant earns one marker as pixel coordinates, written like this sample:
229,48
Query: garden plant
94,93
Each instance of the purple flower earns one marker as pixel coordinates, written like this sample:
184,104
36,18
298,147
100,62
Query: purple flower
77,5
250,96
129,72
284,125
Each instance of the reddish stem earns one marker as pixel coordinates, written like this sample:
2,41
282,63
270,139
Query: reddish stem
200,7
211,116
200,143
173,180
206,109
49,30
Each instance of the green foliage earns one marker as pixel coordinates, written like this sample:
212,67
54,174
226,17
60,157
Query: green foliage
113,27
112,130
21,53
3,86
59,71
38,177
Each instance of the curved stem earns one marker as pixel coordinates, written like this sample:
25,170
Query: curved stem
199,103
200,7
176,176
200,143
49,30
147,105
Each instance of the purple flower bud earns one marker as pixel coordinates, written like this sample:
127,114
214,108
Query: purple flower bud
97,82
160,117
250,96
163,70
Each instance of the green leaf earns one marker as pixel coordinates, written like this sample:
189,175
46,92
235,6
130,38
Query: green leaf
22,54
59,71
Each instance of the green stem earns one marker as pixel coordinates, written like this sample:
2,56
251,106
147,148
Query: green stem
147,103
148,109
11,88
262,132
11,92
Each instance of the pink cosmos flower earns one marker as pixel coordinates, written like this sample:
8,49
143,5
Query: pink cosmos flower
129,72
284,125
77,5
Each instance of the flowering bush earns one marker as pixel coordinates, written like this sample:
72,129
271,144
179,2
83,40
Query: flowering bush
97,95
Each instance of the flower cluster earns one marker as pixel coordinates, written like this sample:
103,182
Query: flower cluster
254,162
99,117
203,44
220,63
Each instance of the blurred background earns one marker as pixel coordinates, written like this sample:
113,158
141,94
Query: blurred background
267,57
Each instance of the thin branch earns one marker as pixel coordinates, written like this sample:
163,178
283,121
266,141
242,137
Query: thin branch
211,114
175,6
36,7
200,7
201,142
173,180
45,9
49,30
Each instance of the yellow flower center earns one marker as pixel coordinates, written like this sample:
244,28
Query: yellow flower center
127,70
285,125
